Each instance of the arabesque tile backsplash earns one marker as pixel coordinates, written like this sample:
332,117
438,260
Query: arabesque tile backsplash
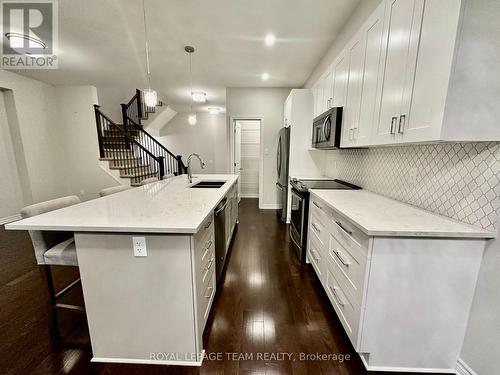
458,180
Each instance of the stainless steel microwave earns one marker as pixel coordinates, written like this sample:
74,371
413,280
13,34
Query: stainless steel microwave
327,129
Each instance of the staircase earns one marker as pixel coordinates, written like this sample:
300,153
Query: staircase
131,152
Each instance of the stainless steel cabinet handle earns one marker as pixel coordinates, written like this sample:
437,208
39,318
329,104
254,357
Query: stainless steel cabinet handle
209,290
315,228
313,252
351,134
210,264
208,224
209,243
340,257
340,301
317,205
401,127
393,125
348,231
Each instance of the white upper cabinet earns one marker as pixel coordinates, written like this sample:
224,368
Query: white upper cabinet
420,71
287,113
356,58
363,86
375,46
339,75
327,90
318,97
402,32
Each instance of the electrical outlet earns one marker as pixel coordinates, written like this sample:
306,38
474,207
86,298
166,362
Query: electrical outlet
139,244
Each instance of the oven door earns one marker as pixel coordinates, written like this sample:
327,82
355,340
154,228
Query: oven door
297,220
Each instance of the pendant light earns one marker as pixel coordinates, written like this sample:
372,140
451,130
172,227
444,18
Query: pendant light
150,95
192,120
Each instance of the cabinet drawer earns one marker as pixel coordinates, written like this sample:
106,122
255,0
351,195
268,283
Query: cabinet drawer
349,270
205,298
347,234
316,256
348,313
317,226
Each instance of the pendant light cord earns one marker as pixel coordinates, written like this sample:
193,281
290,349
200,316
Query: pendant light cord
191,80
147,44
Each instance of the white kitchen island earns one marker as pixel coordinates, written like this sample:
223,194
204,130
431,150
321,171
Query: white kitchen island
153,308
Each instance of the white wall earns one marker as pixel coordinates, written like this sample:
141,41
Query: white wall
267,103
11,199
205,138
37,142
49,140
76,115
360,14
110,100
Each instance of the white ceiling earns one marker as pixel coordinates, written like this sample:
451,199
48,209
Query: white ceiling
102,44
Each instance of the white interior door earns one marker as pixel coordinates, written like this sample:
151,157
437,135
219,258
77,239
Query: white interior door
247,156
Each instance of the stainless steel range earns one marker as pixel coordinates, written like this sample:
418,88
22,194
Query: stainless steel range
300,208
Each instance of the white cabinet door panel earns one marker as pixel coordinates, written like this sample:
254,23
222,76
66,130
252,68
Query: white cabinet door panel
370,97
327,91
356,55
402,29
340,72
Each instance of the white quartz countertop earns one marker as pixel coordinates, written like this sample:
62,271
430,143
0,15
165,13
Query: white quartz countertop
167,206
376,215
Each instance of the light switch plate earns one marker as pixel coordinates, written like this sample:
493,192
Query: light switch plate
139,244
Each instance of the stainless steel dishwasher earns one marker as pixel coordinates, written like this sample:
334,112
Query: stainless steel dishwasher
220,237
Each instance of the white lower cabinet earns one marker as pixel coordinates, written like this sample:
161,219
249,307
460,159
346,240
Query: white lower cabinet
404,302
204,272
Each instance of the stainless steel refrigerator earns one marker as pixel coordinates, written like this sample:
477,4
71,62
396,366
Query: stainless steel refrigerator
282,170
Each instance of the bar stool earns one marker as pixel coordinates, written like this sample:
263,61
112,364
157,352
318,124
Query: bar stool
149,180
113,190
54,248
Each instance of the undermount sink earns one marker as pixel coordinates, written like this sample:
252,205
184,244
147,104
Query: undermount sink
208,184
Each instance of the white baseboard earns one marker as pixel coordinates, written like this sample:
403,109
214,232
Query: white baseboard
405,370
9,219
150,361
270,206
464,369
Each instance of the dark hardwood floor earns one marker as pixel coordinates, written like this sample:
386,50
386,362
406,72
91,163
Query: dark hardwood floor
268,304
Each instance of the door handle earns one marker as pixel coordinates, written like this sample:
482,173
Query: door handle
402,121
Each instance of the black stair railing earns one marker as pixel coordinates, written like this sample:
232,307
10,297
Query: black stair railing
135,111
119,145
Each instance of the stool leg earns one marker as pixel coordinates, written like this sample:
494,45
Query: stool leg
53,327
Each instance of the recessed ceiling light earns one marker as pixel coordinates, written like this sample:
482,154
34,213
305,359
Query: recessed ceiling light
199,96
214,110
265,76
269,40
